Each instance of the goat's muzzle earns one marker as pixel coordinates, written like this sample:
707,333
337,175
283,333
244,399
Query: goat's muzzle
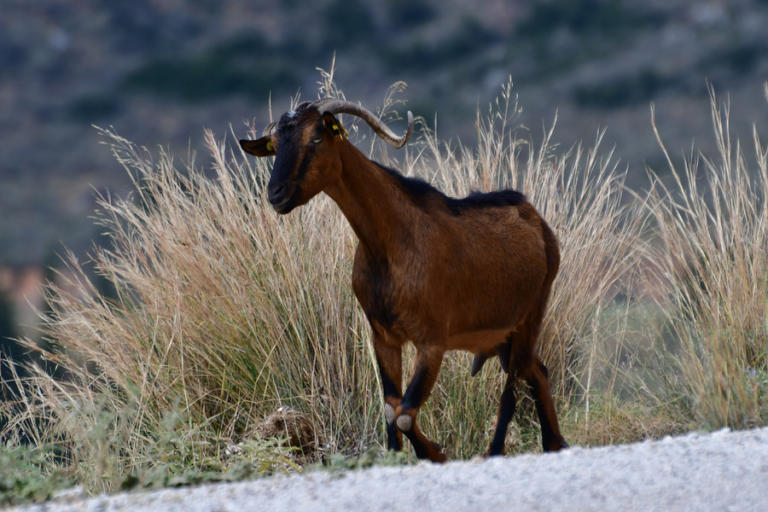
280,195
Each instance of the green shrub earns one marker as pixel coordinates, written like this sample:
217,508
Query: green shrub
585,17
245,65
621,91
23,474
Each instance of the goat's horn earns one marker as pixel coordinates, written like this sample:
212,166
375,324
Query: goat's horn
345,107
270,128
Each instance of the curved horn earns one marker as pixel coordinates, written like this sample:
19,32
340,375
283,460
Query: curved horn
270,128
346,107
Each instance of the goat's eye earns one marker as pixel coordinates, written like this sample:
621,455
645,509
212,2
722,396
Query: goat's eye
317,140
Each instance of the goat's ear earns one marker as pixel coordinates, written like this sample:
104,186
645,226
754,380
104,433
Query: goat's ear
333,125
259,147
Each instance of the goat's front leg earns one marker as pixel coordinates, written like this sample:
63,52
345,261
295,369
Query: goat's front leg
389,359
428,361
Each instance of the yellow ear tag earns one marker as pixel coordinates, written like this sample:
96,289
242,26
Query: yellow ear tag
338,131
269,145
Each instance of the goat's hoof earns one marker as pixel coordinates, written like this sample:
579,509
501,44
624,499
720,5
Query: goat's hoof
556,445
389,413
404,422
438,457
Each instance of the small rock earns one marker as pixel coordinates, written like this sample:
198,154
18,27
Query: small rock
72,493
294,426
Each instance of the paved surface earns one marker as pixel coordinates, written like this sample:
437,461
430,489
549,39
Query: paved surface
721,471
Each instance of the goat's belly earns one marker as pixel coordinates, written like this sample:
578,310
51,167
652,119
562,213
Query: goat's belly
477,341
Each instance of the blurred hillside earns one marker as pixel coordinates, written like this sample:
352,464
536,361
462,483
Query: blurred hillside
160,71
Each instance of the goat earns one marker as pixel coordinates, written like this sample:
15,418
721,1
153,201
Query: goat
446,274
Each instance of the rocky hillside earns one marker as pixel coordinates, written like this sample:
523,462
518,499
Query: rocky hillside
160,71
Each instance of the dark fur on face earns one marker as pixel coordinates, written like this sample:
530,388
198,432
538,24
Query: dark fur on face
299,171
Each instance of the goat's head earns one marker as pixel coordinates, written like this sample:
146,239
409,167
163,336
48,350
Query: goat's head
306,144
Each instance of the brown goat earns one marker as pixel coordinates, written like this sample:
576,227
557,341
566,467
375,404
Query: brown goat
446,274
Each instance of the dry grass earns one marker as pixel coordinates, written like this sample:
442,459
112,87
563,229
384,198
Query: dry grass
225,311
712,256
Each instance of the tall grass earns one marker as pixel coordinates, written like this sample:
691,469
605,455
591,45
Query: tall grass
223,311
712,257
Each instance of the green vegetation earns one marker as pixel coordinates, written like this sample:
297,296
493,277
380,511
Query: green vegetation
221,311
624,90
641,86
94,107
564,34
586,18
737,58
246,65
351,22
469,38
23,474
405,14
251,66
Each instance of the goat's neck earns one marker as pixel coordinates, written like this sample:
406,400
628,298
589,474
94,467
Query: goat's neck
375,205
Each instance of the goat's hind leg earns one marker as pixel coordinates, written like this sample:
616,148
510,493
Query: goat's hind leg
530,368
536,376
428,363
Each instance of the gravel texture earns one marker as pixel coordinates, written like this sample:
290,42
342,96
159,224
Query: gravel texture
720,471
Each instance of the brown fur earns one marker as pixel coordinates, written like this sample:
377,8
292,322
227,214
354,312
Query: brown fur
477,280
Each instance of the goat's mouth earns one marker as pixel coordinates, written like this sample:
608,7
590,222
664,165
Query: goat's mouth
283,205
283,197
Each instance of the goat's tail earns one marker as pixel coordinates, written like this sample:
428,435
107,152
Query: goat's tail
552,249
